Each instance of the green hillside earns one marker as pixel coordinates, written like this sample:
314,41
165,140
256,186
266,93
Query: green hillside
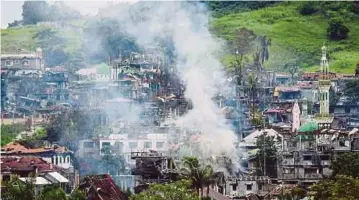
294,36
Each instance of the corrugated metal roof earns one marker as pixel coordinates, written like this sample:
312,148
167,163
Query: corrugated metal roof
38,180
58,177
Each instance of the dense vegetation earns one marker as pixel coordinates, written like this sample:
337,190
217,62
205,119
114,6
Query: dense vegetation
9,132
344,181
297,36
296,30
17,189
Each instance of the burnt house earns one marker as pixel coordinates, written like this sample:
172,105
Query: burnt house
101,187
152,167
55,86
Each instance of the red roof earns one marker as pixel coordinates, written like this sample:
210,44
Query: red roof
102,187
17,148
13,164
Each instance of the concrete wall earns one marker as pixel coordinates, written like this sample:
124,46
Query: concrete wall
22,63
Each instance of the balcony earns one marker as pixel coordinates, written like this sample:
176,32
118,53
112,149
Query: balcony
312,176
287,176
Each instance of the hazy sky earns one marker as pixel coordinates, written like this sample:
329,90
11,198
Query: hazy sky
11,10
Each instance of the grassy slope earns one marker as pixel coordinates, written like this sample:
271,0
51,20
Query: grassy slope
291,32
15,38
282,23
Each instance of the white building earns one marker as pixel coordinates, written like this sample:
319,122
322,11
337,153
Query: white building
124,144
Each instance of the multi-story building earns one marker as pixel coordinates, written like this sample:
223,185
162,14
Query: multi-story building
55,155
306,159
245,185
23,61
124,144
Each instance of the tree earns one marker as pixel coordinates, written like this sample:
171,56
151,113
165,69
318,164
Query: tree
110,162
51,193
40,133
192,168
17,189
346,164
266,156
351,90
337,30
257,64
292,68
14,23
172,191
333,97
9,132
34,11
53,46
308,8
200,176
264,48
77,195
112,37
341,187
356,7
238,66
252,84
243,43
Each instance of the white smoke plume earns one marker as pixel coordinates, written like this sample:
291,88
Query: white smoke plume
197,53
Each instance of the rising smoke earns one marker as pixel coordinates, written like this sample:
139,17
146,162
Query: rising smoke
197,52
197,60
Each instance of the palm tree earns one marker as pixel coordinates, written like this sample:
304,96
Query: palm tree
257,60
264,52
192,170
201,176
252,81
238,67
208,177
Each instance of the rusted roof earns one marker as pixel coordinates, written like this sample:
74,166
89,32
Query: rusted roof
282,189
13,164
17,148
102,187
316,75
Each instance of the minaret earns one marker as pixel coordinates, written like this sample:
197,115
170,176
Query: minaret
324,84
324,66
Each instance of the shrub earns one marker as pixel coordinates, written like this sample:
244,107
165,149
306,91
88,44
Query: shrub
308,8
337,30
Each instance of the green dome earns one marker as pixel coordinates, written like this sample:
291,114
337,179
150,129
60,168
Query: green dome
308,127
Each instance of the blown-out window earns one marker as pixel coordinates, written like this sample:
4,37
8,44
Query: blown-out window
148,145
25,62
9,63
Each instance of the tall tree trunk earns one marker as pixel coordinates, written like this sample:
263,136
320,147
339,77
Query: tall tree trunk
207,190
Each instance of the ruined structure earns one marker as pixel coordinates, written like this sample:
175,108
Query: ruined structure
101,187
153,167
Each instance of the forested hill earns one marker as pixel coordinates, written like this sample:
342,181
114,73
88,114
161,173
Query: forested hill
295,31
